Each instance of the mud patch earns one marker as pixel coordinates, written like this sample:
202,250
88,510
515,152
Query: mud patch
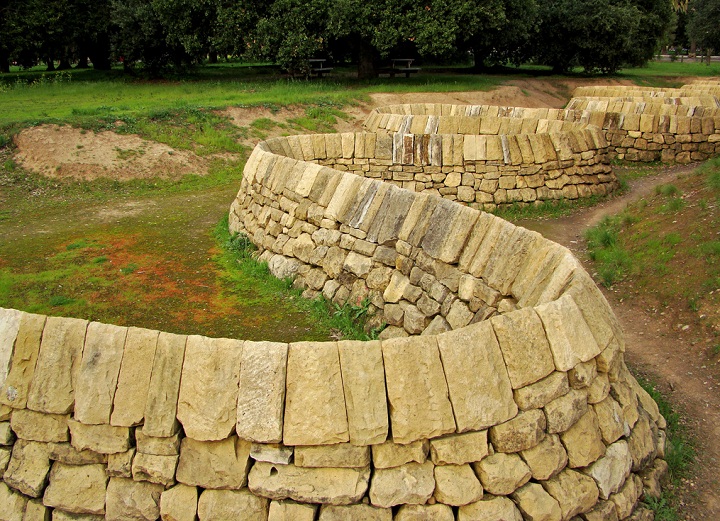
66,152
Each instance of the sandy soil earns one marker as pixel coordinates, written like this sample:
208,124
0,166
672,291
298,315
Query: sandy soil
689,379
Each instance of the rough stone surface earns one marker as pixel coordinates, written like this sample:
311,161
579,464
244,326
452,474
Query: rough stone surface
131,500
169,446
612,422
105,439
14,503
9,327
543,392
315,405
583,441
611,471
490,509
417,389
36,511
161,403
271,453
363,378
261,396
214,464
31,425
291,511
479,386
457,485
603,511
154,468
536,504
459,448
547,458
501,474
58,363
389,454
63,491
134,379
119,465
232,504
412,483
66,453
575,492
309,485
359,512
207,404
98,373
563,412
342,455
523,432
179,503
28,467
14,391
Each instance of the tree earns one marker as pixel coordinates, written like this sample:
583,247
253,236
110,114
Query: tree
704,24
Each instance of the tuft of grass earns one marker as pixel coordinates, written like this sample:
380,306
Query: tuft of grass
129,269
545,209
60,300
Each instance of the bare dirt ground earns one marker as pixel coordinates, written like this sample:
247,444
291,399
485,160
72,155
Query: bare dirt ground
672,358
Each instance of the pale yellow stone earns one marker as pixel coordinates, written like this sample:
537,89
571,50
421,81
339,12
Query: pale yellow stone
547,458
119,465
58,363
524,431
412,483
563,412
98,373
131,500
66,453
359,512
524,346
389,454
179,503
459,448
9,327
36,426
169,446
309,485
207,403
626,498
28,467
232,504
261,395
315,404
490,509
363,378
7,436
583,441
161,403
339,455
77,489
543,392
214,464
14,391
537,504
291,511
154,468
271,453
36,511
457,485
477,380
641,442
612,469
603,511
14,504
501,474
134,379
611,420
417,389
575,492
105,439
436,512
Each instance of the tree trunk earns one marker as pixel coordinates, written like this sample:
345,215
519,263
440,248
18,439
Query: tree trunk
4,62
64,64
82,63
213,57
366,61
50,64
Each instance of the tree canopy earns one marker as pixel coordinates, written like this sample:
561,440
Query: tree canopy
161,35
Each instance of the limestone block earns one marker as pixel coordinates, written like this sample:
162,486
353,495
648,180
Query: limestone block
134,379
443,246
599,389
628,401
653,477
575,492
490,509
104,439
524,431
169,446
131,500
179,503
36,511
261,396
214,464
547,458
309,485
36,426
66,453
436,512
14,391
232,504
7,436
58,363
524,346
457,485
28,467
98,373
537,504
542,392
359,512
563,412
457,449
583,374
342,455
412,483
583,441
611,470
14,504
626,498
291,511
603,511
5,454
417,389
315,408
479,386
9,327
612,422
154,468
161,403
119,465
641,443
501,474
272,453
389,454
363,378
647,403
59,515
207,404
77,489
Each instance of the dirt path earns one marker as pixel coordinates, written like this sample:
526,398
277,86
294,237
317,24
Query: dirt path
655,349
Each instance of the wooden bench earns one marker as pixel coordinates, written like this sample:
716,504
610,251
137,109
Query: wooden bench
318,68
400,66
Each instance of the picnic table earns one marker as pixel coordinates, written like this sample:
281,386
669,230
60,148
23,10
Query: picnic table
400,66
317,67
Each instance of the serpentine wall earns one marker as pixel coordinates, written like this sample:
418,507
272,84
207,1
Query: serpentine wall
669,125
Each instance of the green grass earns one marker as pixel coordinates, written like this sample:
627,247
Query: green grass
546,209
